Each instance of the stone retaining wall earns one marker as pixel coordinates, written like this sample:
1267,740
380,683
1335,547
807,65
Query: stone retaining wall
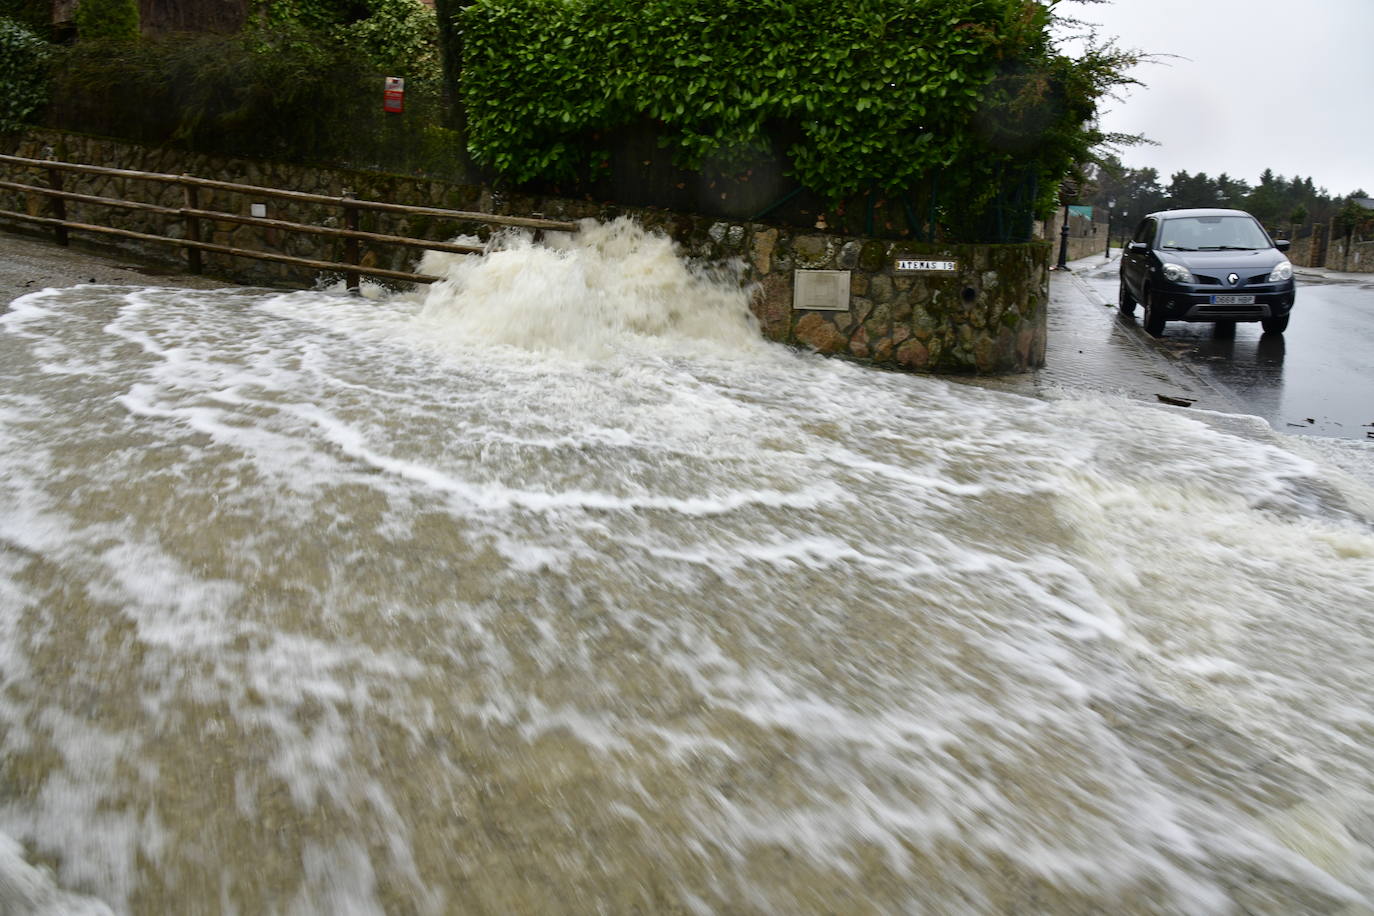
1360,258
1300,252
934,308
1086,237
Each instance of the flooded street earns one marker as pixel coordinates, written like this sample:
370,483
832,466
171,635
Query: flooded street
556,589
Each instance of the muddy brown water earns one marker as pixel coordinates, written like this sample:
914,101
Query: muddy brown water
558,590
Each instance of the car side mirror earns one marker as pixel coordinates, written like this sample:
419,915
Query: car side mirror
1283,244
1137,246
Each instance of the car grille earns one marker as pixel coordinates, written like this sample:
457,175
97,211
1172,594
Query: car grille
1204,280
1240,312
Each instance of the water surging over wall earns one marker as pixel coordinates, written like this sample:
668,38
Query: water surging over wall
588,295
545,593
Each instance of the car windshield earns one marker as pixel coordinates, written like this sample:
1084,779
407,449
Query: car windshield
1212,233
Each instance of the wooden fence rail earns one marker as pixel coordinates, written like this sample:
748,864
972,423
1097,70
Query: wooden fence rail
191,215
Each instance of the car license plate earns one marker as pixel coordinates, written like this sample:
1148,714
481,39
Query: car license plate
1233,300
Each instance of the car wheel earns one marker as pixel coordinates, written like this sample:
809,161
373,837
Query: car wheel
1125,301
1274,325
1154,321
1224,329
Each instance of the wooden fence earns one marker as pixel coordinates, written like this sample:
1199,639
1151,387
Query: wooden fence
192,216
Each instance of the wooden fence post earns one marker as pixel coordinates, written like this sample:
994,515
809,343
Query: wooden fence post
193,261
351,278
58,204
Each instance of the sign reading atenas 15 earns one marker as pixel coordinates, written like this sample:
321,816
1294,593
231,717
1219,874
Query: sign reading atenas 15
921,265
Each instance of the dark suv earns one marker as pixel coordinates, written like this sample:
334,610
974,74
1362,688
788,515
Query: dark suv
1206,265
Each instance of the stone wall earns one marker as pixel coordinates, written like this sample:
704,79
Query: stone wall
1086,237
1359,258
922,307
987,315
1300,253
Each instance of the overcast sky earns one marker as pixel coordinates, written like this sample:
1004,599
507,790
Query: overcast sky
1257,84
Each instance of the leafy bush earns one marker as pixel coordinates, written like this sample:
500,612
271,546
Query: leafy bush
35,15
863,96
272,95
398,37
1353,219
24,61
107,19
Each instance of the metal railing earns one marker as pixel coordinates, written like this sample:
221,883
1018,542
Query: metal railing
192,215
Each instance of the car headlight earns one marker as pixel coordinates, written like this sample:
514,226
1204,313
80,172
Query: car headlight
1282,271
1177,273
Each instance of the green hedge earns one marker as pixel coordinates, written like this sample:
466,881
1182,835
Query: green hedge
24,61
865,96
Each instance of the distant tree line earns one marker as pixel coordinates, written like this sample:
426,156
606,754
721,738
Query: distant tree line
1287,207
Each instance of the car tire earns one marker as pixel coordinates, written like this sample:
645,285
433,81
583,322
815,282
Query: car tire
1125,302
1274,325
1224,330
1154,322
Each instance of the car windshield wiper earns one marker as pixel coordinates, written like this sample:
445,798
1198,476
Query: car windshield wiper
1225,248
1177,248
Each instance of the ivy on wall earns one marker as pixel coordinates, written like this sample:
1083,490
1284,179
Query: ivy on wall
863,95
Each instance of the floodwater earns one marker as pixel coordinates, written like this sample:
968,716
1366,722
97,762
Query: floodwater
557,590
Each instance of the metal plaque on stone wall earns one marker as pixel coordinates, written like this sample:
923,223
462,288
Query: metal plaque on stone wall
923,265
823,290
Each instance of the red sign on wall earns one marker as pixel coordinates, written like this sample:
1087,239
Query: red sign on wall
394,95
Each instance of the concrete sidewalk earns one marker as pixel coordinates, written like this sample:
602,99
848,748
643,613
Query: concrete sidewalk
1091,348
28,265
1333,276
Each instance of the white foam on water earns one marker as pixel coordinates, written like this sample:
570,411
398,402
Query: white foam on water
31,891
558,577
585,295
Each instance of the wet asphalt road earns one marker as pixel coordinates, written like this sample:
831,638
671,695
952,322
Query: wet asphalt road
1315,379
